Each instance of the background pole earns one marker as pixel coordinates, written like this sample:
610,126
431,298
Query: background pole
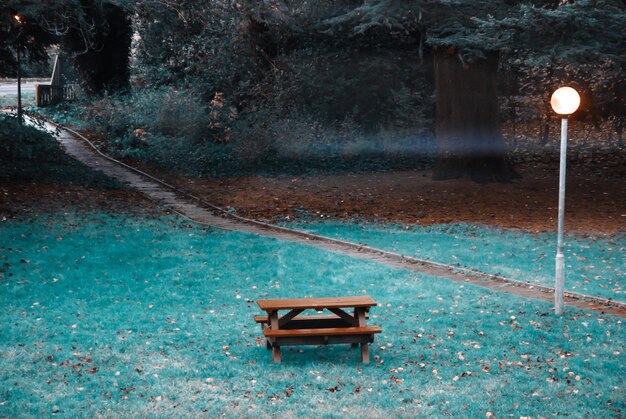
19,87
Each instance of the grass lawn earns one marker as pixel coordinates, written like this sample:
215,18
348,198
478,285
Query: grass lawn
28,99
594,265
123,316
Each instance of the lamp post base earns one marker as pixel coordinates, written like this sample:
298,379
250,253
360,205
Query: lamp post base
559,283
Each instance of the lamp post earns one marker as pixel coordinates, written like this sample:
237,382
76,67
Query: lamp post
564,101
19,20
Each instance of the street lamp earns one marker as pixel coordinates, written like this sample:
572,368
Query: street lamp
564,101
20,22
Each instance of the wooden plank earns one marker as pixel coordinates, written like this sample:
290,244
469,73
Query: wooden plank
273,316
360,315
365,353
276,355
324,340
264,319
342,331
315,303
314,324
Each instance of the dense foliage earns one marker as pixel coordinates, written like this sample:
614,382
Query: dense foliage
95,33
265,81
28,153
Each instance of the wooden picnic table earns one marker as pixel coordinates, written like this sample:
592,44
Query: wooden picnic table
341,326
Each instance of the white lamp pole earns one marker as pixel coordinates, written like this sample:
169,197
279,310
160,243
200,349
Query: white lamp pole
564,101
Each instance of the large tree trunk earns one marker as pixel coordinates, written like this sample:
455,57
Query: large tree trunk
469,136
105,64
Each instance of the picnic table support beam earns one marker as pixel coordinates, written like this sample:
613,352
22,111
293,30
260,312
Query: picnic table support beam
276,355
342,314
365,353
267,342
273,317
365,349
287,317
355,314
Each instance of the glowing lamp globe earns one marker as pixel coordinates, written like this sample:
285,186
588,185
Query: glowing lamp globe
565,101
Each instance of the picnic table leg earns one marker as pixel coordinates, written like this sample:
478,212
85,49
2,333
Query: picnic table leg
276,356
365,350
356,316
267,341
273,321
365,353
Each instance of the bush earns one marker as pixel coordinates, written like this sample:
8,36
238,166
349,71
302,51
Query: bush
172,127
23,142
28,153
179,129
133,119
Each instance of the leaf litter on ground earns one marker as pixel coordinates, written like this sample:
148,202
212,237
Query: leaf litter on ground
148,324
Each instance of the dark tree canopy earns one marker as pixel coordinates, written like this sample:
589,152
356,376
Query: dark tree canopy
430,66
95,33
467,38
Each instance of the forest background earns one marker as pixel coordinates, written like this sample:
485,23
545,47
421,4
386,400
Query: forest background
229,87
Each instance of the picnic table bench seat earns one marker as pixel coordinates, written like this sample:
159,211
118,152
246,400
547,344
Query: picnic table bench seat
324,332
307,321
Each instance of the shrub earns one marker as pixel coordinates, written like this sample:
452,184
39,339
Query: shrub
167,112
24,142
172,127
28,153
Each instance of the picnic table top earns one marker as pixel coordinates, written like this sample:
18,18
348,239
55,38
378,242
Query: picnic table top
315,303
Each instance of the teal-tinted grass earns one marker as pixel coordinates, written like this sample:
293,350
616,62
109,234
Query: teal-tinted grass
125,317
595,265
28,99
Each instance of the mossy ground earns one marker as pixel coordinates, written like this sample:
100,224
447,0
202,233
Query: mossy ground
129,316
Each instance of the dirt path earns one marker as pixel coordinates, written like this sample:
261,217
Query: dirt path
595,204
199,212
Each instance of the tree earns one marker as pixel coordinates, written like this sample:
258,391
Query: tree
101,50
467,124
96,34
327,74
467,39
190,42
581,44
29,38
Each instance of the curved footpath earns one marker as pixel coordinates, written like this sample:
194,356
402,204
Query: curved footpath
204,213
